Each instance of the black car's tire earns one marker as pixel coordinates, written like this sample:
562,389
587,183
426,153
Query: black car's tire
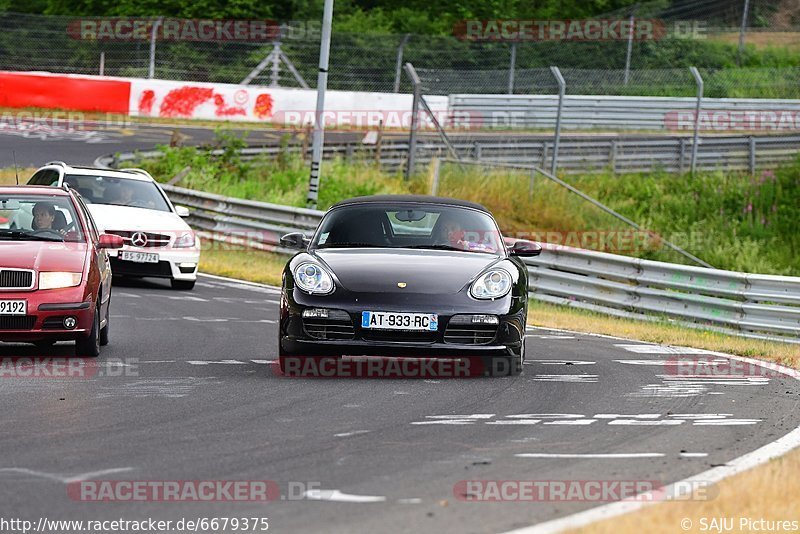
504,365
105,331
182,285
89,347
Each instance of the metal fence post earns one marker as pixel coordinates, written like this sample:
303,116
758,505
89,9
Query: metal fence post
742,31
437,163
399,62
319,121
630,44
699,80
153,34
102,63
412,137
562,87
512,68
275,74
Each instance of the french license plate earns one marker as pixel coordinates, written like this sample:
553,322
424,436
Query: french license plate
13,307
139,257
400,321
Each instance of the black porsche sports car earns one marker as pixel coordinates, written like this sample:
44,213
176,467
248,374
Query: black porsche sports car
409,276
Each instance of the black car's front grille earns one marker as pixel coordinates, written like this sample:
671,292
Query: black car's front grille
336,326
408,336
17,322
463,331
153,240
16,279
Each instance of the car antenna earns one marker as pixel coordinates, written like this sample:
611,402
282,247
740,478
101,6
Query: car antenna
16,172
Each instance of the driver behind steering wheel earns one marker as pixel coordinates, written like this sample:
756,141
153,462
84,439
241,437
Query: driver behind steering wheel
44,214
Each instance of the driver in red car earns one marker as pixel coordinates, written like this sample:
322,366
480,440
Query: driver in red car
44,215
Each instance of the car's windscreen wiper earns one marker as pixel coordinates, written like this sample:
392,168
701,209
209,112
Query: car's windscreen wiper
438,247
351,245
21,235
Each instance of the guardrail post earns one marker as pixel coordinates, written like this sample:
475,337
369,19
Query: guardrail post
437,164
699,80
612,157
399,62
102,63
412,137
477,151
562,87
512,68
544,154
681,155
752,156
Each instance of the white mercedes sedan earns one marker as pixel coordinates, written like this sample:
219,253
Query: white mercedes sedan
131,204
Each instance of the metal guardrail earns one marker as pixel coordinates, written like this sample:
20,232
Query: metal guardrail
615,112
750,305
577,154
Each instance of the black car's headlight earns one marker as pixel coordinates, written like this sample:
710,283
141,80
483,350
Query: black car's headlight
492,284
312,278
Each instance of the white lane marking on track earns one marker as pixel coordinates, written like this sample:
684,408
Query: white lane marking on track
220,362
126,294
409,501
621,416
514,422
661,349
63,478
348,434
576,422
640,422
727,422
206,319
338,496
180,297
545,336
561,362
604,456
572,379
673,363
694,454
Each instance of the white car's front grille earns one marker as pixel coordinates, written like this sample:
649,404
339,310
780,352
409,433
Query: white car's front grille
142,239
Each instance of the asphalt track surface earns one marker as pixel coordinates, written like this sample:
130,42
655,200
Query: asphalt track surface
188,390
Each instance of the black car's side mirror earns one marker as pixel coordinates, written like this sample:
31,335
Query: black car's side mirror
295,240
525,249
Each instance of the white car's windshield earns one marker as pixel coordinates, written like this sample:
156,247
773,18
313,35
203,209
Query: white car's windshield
419,226
118,191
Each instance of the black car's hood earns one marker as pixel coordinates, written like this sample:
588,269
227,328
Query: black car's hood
423,271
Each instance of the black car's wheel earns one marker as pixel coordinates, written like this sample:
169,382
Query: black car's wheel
105,331
89,347
183,285
504,365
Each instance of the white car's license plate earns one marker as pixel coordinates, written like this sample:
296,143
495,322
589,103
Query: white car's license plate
13,307
139,257
400,321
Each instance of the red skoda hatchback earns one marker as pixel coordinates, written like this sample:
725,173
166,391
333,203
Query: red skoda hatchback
55,278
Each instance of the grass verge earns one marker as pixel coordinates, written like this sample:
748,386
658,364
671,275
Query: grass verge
770,489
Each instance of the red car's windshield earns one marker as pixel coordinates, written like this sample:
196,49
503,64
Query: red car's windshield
39,218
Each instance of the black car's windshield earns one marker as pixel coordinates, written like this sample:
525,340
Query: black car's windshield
409,225
39,218
118,191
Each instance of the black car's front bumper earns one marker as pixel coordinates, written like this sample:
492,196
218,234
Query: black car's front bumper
457,336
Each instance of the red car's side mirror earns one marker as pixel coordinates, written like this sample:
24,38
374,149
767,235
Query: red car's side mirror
110,241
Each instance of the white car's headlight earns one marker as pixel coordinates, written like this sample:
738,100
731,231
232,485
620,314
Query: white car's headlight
184,240
312,278
59,280
491,284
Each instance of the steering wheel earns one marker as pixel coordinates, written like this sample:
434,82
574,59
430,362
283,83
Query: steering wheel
48,231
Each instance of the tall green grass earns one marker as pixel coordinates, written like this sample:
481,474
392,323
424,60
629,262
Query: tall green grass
731,220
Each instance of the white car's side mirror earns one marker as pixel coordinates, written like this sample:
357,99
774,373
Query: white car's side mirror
182,211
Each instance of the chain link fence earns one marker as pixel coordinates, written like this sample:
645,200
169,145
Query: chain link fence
366,62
